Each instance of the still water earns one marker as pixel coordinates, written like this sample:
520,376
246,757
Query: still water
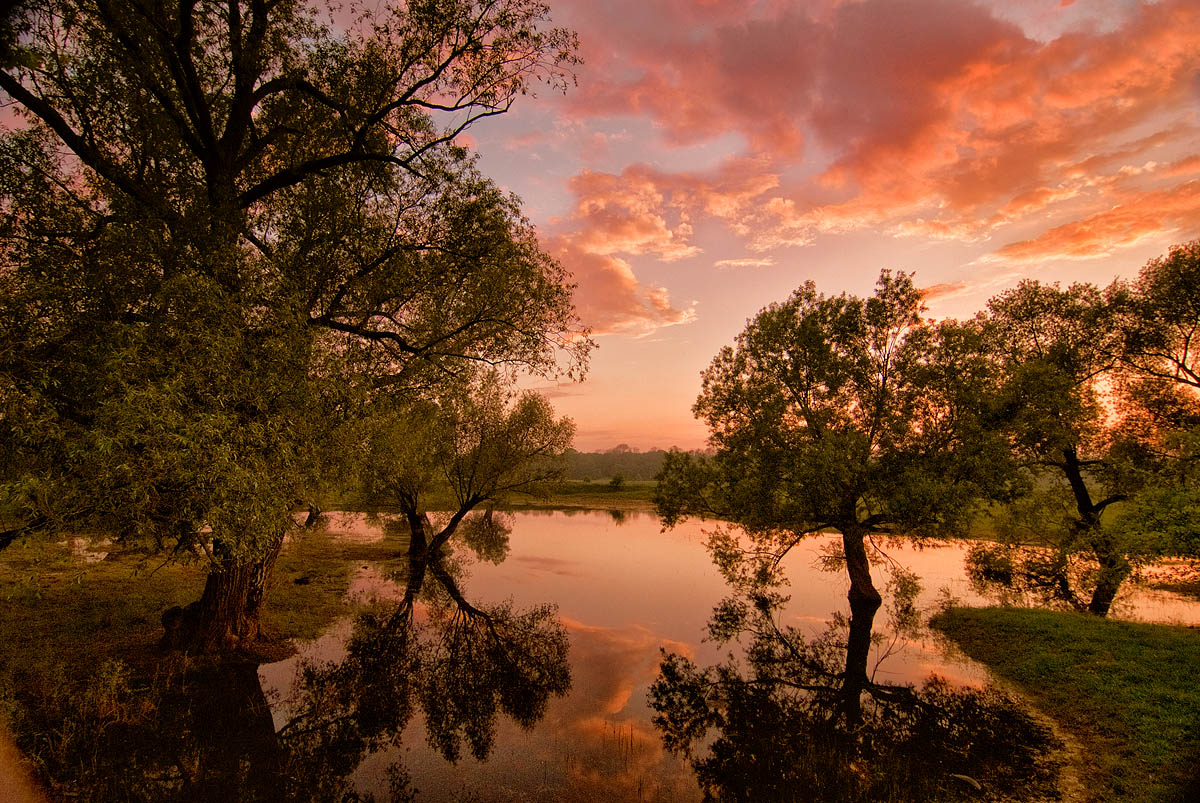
622,592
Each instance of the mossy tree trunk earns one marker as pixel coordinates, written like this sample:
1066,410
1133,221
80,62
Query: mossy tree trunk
226,617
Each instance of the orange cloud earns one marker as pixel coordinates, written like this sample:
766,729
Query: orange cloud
1175,211
609,297
943,290
933,118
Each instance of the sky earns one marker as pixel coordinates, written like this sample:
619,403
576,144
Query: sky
716,154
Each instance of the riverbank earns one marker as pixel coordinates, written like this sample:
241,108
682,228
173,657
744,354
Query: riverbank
1126,691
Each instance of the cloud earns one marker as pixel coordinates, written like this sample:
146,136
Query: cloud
1174,211
927,118
745,262
943,290
609,297
628,214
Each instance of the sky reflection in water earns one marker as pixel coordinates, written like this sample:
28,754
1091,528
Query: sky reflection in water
625,591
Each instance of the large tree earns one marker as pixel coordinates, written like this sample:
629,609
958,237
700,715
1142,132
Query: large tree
1159,322
836,412
228,227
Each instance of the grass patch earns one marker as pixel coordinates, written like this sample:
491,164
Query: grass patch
1126,690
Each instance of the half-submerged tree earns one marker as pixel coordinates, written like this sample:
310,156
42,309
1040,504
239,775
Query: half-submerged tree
835,412
1079,432
476,444
226,229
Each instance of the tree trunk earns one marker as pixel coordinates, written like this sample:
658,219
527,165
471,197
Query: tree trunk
1114,568
862,590
225,618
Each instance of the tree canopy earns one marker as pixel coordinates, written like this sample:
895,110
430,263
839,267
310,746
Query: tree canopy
228,228
1086,396
844,413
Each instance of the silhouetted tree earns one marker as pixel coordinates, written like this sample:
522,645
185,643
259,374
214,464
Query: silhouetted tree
844,413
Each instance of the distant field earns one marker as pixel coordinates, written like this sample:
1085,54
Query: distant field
632,495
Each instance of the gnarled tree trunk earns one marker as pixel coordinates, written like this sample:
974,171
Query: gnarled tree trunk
226,617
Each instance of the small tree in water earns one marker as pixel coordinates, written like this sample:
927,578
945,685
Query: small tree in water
476,445
840,413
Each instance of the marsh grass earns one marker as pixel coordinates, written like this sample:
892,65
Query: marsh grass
81,662
1126,690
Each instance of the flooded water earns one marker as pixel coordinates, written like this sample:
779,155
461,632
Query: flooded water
623,594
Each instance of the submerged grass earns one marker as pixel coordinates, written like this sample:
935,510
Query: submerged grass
1126,690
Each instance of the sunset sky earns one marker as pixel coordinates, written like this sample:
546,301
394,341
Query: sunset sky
718,153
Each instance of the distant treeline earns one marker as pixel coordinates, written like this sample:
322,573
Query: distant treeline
620,461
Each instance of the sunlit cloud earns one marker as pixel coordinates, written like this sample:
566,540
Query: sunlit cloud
608,295
745,262
935,118
1175,212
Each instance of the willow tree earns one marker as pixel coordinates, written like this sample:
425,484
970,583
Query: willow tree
836,412
227,228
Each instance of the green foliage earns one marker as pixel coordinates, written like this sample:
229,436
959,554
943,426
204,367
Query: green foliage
845,413
227,234
1092,429
480,441
630,464
1160,323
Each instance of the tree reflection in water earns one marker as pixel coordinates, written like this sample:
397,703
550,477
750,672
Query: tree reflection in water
802,719
459,663
208,733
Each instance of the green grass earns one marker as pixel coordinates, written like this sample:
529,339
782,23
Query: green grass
59,610
1129,692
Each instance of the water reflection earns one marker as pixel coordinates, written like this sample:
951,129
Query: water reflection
406,685
798,718
459,664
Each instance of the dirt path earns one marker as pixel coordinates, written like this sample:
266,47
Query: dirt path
16,784
1071,753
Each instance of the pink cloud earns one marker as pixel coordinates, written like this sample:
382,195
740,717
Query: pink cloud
933,118
609,297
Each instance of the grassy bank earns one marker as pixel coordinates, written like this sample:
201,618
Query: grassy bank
1127,691
60,609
